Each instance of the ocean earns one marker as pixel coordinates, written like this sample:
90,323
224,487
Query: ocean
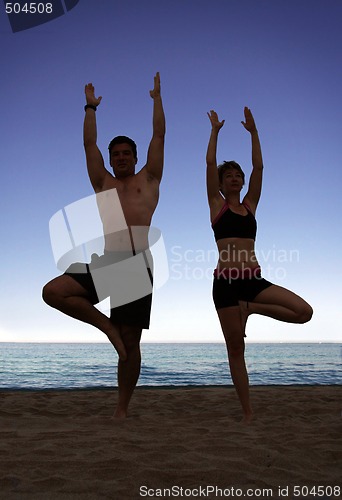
69,366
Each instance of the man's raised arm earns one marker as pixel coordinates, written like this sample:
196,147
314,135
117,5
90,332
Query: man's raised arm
155,155
95,164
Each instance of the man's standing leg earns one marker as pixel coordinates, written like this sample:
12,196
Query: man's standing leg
128,370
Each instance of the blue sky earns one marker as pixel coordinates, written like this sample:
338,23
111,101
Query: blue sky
282,59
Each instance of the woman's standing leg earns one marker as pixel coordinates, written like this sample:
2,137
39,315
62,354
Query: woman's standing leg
230,319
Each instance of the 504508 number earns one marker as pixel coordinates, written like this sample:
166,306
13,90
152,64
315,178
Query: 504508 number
28,8
319,491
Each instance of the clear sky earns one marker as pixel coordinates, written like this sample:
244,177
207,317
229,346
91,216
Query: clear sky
281,58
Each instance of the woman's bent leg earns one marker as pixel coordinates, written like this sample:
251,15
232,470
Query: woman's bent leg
281,304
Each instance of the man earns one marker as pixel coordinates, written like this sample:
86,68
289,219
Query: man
137,193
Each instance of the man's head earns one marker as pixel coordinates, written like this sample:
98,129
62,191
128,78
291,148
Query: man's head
122,156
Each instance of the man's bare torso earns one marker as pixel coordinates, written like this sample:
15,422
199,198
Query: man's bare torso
126,207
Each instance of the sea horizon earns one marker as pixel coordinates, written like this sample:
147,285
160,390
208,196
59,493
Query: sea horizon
53,365
167,342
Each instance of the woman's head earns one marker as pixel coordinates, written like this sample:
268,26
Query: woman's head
230,165
231,178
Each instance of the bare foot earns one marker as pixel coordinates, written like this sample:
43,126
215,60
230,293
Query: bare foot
247,419
120,414
244,312
119,346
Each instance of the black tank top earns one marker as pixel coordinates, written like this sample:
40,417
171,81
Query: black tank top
228,224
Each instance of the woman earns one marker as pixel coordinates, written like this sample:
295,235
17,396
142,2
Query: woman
238,289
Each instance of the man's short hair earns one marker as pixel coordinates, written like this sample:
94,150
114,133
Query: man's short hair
122,139
223,167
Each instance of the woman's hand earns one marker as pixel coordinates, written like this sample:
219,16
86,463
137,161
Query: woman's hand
215,123
249,122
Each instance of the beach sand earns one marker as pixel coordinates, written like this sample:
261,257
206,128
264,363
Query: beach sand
65,445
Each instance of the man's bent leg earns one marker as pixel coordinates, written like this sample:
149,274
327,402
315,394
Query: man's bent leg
68,296
129,370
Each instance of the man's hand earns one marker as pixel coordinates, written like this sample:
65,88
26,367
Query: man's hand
215,123
156,90
90,95
249,122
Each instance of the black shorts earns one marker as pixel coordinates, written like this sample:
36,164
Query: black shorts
128,286
228,291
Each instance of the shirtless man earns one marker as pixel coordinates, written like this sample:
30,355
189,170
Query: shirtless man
138,194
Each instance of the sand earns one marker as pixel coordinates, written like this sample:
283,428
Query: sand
65,445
